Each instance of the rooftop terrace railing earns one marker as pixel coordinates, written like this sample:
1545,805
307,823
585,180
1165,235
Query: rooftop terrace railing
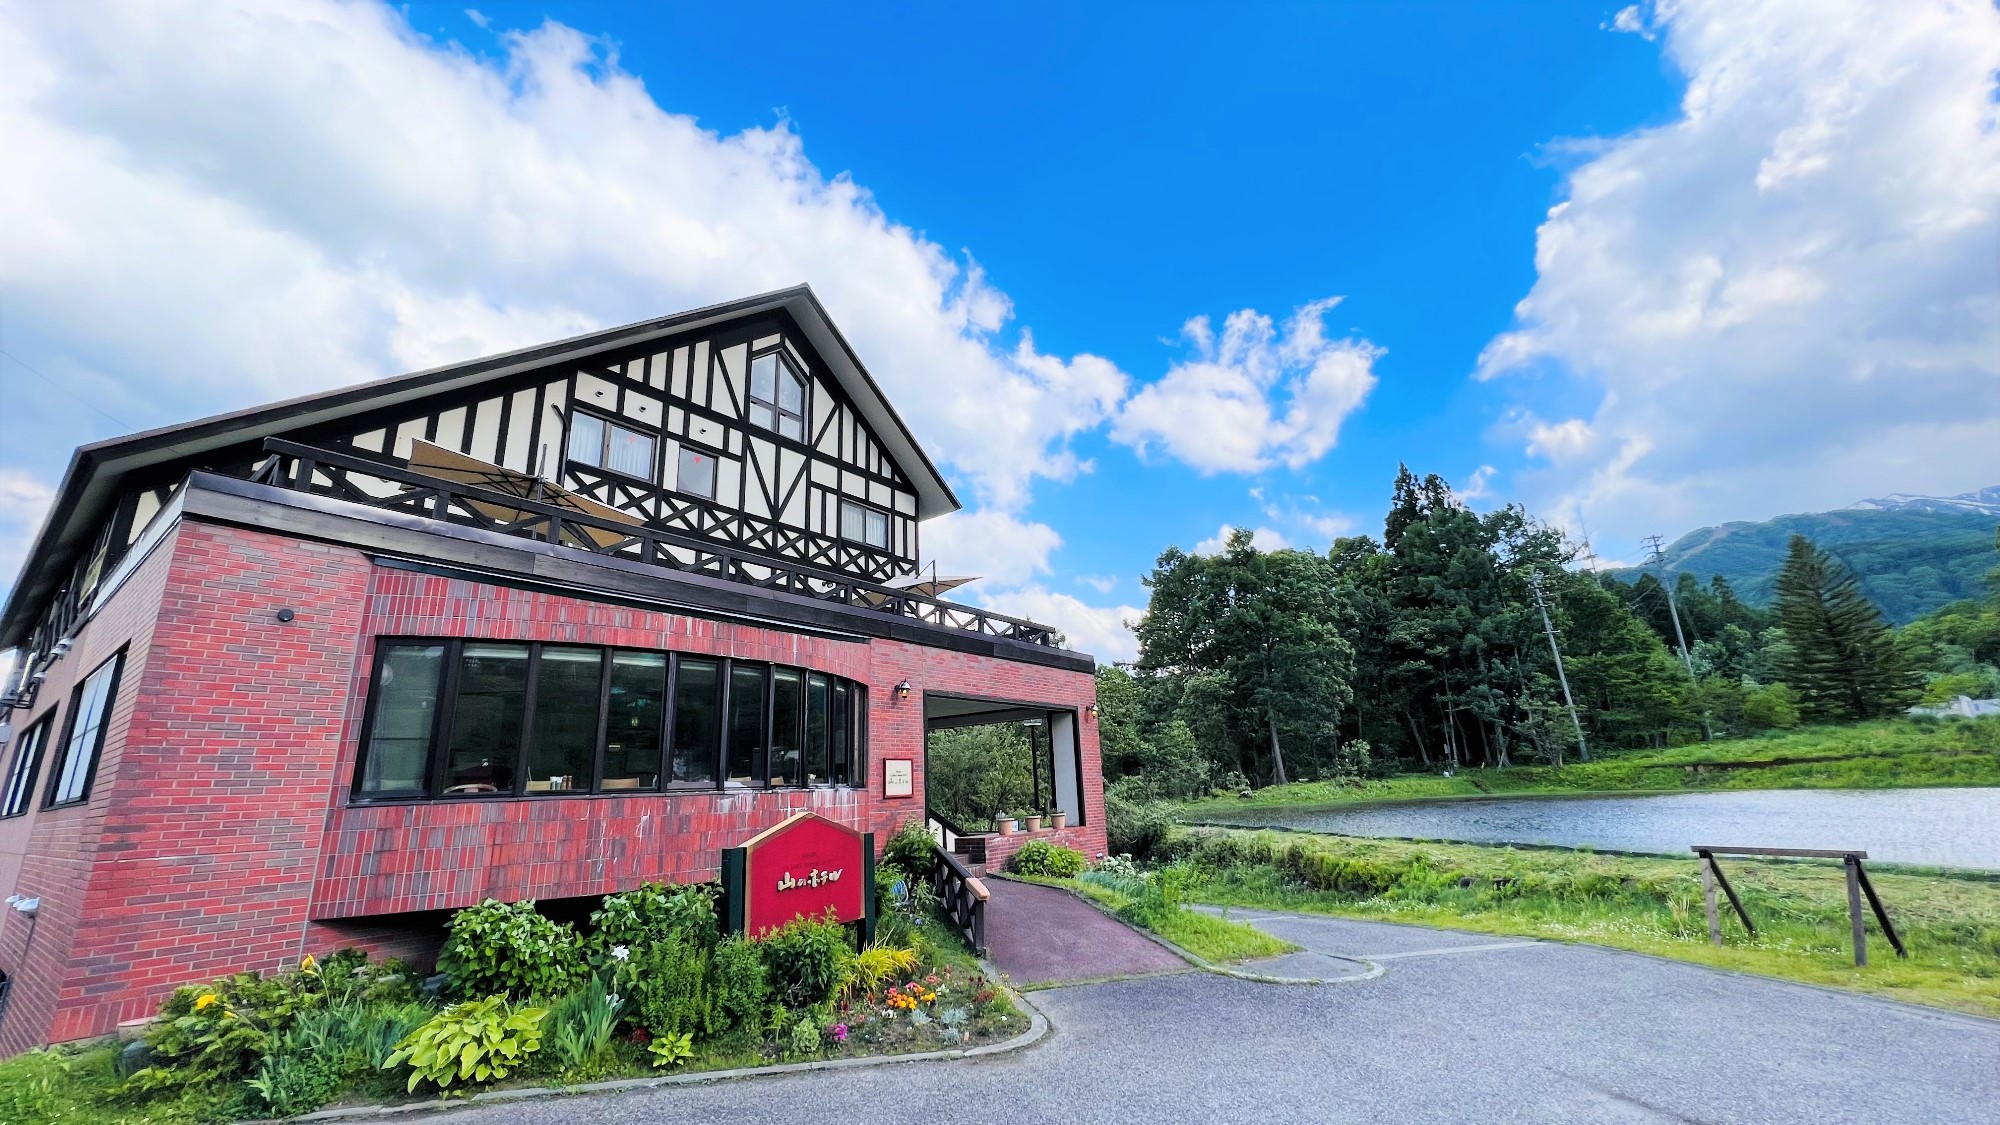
377,484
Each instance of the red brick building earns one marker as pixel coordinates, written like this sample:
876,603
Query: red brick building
547,625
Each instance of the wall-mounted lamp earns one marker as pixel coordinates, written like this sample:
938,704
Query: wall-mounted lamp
903,690
28,906
1090,709
286,615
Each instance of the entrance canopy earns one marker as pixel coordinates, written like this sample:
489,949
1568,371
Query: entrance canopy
1057,765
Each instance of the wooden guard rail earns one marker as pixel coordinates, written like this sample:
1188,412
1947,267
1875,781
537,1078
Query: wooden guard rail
963,897
1857,886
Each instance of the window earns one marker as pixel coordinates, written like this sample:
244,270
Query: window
563,741
697,723
486,719
746,724
697,473
470,718
635,720
77,764
398,753
27,763
777,396
608,445
864,524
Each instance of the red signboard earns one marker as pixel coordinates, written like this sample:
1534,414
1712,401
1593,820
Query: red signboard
805,866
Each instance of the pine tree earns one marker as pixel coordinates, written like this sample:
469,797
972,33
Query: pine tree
1843,661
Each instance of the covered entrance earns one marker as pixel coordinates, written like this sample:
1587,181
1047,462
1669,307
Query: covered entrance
988,758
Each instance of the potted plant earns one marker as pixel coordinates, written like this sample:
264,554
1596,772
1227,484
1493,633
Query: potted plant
1003,823
1059,819
1035,821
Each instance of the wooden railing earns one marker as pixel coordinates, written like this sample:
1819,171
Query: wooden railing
962,896
377,484
1857,884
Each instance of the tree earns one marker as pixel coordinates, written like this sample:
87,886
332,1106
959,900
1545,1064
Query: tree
1844,662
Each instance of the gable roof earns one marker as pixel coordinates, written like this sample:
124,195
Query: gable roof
93,482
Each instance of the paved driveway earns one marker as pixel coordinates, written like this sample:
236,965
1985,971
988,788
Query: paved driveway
1459,1028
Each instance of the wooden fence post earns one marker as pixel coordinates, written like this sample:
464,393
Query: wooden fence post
1853,865
1708,898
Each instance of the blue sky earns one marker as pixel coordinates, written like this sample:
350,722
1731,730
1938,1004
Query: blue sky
1733,309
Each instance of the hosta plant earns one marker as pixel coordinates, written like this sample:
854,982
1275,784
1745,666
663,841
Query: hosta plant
671,1050
476,1041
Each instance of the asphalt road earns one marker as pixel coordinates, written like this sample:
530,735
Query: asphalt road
1460,1028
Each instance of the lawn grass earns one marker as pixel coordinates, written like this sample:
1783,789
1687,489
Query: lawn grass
1888,754
80,1086
1218,941
1949,920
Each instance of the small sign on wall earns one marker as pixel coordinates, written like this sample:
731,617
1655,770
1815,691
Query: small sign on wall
896,778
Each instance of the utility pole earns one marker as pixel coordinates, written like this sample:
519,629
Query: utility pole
1548,626
1673,610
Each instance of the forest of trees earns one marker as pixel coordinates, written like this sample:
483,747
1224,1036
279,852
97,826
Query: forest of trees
1426,649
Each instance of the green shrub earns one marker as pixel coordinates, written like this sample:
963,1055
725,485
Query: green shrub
476,1041
807,961
217,1032
670,988
579,1029
509,949
911,848
634,918
1135,829
738,986
1039,857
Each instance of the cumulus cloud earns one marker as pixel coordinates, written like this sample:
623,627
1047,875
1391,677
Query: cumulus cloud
1262,538
24,501
1102,583
1479,485
1102,631
1254,396
1786,297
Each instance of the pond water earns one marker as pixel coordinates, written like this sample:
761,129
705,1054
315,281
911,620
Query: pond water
1941,827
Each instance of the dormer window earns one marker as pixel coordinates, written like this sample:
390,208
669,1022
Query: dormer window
777,396
608,445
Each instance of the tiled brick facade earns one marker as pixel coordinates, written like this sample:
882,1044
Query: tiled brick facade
219,836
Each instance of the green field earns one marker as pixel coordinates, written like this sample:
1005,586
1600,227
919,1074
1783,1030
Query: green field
1895,753
1949,920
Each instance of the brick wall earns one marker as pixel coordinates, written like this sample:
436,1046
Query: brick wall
219,839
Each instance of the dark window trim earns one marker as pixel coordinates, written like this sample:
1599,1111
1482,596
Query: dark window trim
117,664
623,423
447,690
803,413
700,449
42,727
888,524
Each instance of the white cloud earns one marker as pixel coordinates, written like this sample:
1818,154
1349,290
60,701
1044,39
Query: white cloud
1631,21
1787,296
24,500
1219,409
1101,631
1001,548
1102,583
1262,538
1479,485
236,202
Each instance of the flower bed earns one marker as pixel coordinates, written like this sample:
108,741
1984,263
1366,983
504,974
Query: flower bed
649,986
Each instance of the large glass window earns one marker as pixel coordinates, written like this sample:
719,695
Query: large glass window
88,715
777,396
746,723
818,745
398,756
486,719
634,720
21,773
608,445
463,718
697,723
787,724
563,740
864,524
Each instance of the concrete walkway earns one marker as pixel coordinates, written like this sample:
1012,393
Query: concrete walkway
1039,935
1459,1028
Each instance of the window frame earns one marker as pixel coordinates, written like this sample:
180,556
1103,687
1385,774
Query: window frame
682,449
610,424
116,663
888,533
778,412
22,787
437,759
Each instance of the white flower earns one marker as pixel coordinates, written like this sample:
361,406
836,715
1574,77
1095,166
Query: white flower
614,999
620,953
